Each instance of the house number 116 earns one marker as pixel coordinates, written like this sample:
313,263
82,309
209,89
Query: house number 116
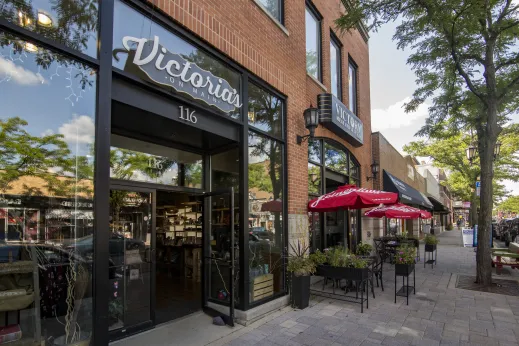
187,115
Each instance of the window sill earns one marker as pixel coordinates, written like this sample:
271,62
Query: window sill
317,81
281,26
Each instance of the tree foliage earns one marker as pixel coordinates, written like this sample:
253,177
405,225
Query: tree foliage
511,204
466,60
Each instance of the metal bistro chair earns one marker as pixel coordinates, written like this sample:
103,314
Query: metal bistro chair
378,266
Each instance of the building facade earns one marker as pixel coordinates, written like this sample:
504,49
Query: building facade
151,161
398,174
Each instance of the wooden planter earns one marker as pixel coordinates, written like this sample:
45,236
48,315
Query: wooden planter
262,287
338,273
404,269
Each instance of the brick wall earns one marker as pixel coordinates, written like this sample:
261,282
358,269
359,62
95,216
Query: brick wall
244,32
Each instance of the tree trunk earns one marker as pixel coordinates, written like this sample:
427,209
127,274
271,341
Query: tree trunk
486,141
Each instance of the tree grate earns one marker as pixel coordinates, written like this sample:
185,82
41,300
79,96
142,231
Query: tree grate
505,287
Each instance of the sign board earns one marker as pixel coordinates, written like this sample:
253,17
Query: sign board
478,188
338,118
475,236
457,204
466,205
478,184
171,69
467,235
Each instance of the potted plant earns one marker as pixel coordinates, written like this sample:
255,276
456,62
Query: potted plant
405,260
364,249
301,266
340,264
430,242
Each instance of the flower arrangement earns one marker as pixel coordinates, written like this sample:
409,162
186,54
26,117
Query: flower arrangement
405,255
364,249
431,239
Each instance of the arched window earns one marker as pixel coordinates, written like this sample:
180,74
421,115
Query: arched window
331,165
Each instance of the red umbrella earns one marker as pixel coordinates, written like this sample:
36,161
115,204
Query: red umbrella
398,211
351,197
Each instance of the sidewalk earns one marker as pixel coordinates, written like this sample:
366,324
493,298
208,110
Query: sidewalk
451,237
439,314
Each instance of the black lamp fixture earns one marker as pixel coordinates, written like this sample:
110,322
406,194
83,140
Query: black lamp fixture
497,150
374,170
311,116
471,152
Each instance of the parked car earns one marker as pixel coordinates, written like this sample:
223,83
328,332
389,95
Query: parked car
262,233
509,230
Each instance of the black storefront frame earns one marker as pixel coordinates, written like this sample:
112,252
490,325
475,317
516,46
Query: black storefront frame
329,173
105,71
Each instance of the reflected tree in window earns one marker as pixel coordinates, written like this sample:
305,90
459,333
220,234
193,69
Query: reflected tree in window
72,23
265,110
314,179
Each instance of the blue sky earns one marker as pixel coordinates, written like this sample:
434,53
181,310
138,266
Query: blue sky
392,84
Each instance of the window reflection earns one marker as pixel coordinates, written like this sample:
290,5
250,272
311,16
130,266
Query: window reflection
314,150
274,8
72,23
265,110
131,159
314,179
313,38
47,134
266,241
335,158
129,22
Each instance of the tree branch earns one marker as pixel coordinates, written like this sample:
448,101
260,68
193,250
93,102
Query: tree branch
506,89
508,62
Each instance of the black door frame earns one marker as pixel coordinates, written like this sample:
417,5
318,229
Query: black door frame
138,328
206,251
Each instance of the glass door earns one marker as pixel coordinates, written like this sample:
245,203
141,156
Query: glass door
220,254
131,251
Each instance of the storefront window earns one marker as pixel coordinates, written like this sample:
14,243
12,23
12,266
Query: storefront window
266,240
131,159
47,129
265,111
335,158
185,69
314,179
72,23
314,150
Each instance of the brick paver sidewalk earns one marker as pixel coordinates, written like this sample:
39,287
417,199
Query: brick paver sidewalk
439,314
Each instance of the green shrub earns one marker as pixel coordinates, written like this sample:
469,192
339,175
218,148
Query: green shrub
364,249
431,239
405,255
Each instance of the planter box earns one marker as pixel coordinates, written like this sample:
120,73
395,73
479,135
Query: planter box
430,248
300,291
262,287
338,273
404,269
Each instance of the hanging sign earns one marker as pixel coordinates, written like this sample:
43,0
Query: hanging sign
338,118
171,69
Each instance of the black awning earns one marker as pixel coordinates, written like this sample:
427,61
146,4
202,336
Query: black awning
438,206
407,194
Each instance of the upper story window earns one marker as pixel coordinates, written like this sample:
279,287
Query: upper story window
274,7
352,86
313,42
72,23
335,67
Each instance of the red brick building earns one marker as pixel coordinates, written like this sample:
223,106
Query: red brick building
186,117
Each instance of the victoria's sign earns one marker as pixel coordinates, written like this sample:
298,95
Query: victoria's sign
338,118
166,68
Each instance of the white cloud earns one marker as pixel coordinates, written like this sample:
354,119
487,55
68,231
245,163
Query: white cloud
394,117
18,74
80,129
47,132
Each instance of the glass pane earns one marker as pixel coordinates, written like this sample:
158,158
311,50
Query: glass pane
72,23
314,179
352,87
354,172
225,173
314,150
131,159
334,221
335,70
265,111
129,294
335,158
314,225
273,6
312,45
266,241
183,63
47,132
